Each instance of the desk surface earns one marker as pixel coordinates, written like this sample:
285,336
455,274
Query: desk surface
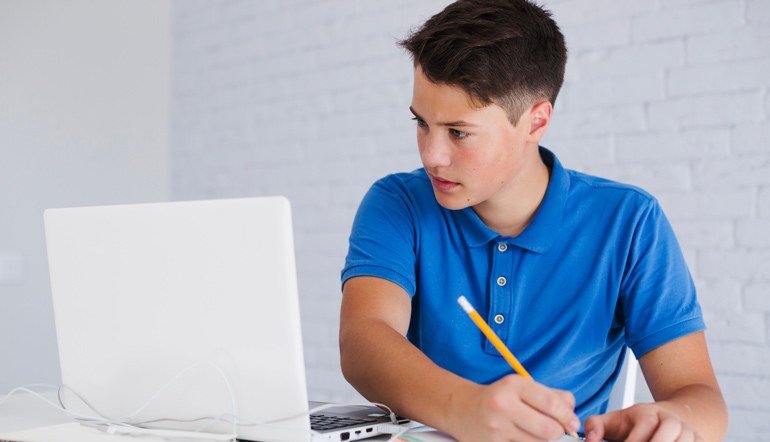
24,411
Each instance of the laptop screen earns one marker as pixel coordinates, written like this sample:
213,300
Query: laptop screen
143,292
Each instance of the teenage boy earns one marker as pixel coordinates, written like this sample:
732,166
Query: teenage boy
569,269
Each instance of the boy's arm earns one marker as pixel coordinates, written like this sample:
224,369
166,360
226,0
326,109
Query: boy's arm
689,405
385,367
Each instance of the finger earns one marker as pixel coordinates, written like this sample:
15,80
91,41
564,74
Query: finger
644,426
595,428
567,397
537,424
687,434
668,430
553,403
519,435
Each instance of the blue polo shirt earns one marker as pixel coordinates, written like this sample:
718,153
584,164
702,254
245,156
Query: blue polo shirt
597,269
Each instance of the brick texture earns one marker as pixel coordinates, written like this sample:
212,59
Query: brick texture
309,98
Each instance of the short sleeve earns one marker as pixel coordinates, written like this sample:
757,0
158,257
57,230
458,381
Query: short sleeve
383,238
657,298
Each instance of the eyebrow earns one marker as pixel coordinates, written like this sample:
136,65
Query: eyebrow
459,123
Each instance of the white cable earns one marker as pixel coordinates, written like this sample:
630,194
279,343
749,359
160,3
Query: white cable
224,378
82,399
398,434
46,400
169,435
104,420
53,387
125,420
252,422
272,423
393,419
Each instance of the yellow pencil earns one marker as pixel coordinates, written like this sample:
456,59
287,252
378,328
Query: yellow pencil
492,336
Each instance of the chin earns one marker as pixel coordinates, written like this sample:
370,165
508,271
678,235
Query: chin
450,202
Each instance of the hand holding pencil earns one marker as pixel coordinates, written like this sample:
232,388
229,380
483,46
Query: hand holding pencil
504,351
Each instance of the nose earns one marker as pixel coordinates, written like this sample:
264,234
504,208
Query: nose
434,152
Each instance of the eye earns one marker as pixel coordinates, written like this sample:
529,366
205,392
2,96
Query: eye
458,134
420,122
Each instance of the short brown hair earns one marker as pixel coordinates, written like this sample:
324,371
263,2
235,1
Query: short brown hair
507,52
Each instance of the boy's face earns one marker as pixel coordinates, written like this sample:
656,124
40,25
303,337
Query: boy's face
474,157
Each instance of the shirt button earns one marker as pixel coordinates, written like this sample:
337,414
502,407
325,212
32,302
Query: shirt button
501,281
499,319
502,247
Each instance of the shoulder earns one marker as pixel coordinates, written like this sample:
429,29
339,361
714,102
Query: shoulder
588,197
602,187
607,196
412,189
415,180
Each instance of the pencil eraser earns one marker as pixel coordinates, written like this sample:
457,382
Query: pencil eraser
465,304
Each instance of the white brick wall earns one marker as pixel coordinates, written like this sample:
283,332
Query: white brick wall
83,121
308,98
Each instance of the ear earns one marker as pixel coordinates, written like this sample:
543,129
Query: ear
539,117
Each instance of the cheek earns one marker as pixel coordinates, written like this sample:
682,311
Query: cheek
421,137
484,171
476,160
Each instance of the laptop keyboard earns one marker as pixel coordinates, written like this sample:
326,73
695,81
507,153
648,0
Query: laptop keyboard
323,422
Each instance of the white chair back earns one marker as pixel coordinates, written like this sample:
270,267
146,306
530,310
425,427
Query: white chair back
622,395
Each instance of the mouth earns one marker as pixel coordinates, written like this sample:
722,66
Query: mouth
442,184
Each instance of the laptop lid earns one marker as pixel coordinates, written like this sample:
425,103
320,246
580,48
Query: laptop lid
142,292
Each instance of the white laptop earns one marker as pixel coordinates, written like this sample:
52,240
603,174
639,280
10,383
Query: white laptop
143,292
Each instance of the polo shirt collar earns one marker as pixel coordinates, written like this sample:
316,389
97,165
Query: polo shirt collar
541,232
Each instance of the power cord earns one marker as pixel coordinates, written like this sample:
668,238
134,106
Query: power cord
28,389
125,425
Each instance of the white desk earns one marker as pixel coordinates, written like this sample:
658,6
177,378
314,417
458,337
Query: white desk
23,411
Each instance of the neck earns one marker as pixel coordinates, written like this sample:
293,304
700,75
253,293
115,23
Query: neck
510,213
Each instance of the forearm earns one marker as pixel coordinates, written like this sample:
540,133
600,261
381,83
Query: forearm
682,381
386,368
702,407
